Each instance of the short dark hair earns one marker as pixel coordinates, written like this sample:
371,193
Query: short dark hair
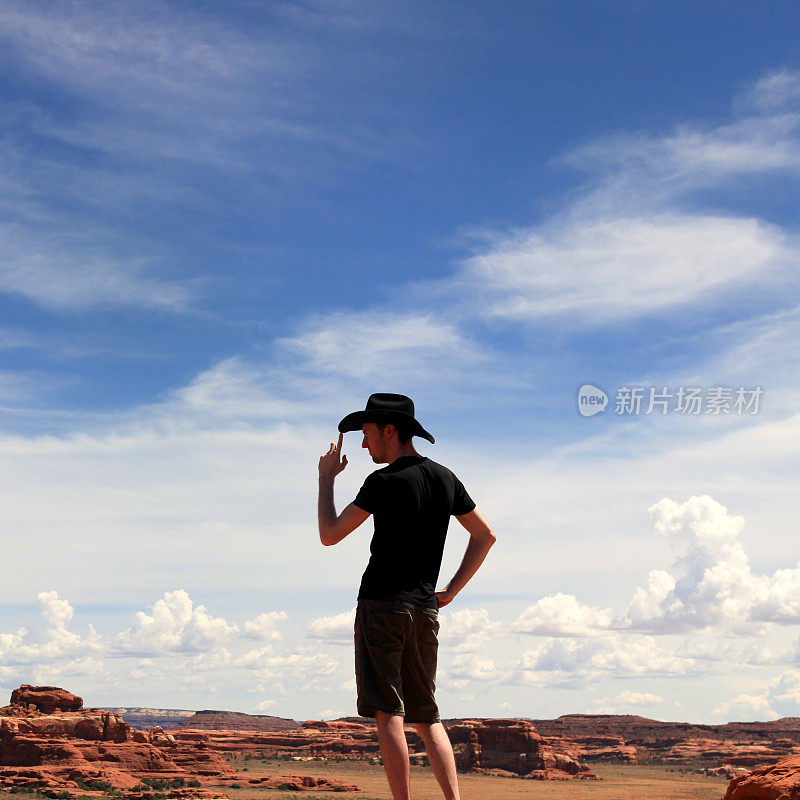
403,429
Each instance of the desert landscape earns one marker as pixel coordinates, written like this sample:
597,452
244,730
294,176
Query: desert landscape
52,746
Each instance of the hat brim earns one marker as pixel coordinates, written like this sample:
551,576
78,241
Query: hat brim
354,421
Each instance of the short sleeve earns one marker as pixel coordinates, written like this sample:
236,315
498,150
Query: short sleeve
462,502
367,497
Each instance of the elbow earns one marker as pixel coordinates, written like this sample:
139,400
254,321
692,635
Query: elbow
490,538
330,537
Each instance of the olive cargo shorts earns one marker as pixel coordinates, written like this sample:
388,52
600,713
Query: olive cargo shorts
396,645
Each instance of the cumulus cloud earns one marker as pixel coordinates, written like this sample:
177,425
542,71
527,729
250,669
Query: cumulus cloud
177,644
560,661
57,642
254,658
472,667
562,615
714,586
625,699
55,610
264,626
176,625
337,628
467,629
780,697
299,664
745,707
783,694
638,698
710,586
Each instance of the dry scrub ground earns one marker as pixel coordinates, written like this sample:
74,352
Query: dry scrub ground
619,783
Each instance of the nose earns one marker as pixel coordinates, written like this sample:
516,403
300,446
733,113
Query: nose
364,442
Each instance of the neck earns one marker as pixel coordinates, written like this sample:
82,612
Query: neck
405,449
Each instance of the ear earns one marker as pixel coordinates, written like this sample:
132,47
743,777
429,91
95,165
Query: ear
389,430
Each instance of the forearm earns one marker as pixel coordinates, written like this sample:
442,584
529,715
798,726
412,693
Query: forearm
326,510
473,558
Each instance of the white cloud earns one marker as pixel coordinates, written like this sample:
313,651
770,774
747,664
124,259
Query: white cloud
154,92
337,628
297,664
176,625
625,247
155,70
55,610
328,713
775,91
466,629
593,267
746,707
716,587
472,667
263,627
64,272
639,698
9,641
57,643
555,661
783,694
562,615
760,139
624,700
80,668
648,601
366,345
255,659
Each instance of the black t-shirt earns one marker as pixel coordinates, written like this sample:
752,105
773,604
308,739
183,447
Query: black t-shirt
411,501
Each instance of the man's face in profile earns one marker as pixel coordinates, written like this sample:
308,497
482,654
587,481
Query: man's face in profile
375,442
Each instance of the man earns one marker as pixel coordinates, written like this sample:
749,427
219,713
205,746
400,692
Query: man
411,499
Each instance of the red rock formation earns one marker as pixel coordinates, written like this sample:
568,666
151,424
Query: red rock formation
87,751
512,746
313,740
647,740
624,739
46,699
779,781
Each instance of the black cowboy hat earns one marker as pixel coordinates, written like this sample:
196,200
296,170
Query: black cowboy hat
384,408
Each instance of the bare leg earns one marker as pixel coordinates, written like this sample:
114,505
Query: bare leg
440,754
394,750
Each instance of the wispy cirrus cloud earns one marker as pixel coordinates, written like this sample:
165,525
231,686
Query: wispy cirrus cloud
637,239
155,99
602,270
63,272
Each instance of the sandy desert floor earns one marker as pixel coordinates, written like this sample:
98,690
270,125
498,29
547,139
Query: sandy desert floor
619,783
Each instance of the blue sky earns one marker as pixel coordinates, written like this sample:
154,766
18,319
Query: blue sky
222,228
